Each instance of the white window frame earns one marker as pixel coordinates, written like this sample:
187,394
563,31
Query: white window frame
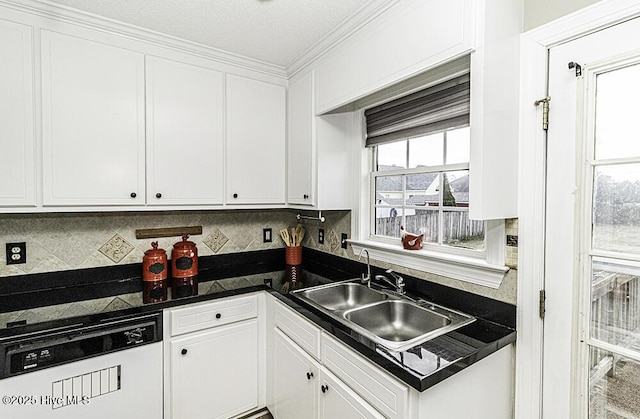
481,268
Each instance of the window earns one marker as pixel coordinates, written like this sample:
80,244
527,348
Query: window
417,155
422,184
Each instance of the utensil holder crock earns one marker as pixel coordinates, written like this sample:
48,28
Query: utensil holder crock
293,268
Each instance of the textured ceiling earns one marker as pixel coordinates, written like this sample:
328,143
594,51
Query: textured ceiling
274,31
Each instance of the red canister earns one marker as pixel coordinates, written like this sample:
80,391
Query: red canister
184,269
184,259
154,274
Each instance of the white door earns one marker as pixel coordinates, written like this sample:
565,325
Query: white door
592,274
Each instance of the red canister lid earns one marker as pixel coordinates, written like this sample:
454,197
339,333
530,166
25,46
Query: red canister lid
155,251
184,244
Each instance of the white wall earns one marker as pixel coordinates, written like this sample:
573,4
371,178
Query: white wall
539,12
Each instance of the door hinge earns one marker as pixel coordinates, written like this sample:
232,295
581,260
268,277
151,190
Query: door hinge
577,66
542,306
545,111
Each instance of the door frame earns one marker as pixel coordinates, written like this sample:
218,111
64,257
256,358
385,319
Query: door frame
534,47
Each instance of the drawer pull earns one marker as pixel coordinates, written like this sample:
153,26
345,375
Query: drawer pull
309,375
183,352
324,388
218,315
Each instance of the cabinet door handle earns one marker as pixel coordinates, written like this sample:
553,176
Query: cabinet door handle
133,194
309,375
218,315
305,196
324,388
183,352
235,195
158,195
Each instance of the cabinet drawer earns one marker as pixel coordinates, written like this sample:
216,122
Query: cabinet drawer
212,314
305,334
378,388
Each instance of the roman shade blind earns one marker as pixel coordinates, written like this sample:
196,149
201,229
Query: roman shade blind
436,108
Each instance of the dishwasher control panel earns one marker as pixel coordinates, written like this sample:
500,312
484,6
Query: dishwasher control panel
33,352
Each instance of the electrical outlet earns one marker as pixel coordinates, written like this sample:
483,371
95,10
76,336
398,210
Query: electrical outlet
321,235
267,235
343,240
16,253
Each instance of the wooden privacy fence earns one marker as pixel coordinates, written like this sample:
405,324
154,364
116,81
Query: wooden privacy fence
456,225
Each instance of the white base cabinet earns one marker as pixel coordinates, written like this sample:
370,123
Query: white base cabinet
339,401
215,373
300,378
214,368
295,380
302,388
350,386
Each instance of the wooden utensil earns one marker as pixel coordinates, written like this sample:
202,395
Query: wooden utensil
284,233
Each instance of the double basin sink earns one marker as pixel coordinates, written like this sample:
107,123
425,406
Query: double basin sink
394,321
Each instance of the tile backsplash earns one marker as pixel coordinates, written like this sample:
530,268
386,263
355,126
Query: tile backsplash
57,242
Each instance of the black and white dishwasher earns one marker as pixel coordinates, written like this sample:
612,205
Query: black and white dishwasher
97,368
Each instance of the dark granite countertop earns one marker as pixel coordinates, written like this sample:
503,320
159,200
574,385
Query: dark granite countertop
426,364
420,367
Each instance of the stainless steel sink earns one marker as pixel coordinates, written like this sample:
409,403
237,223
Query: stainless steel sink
403,324
341,296
394,321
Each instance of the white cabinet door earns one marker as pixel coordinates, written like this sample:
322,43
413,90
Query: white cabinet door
17,154
300,162
295,382
339,401
214,373
493,167
256,118
92,122
334,163
184,133
319,156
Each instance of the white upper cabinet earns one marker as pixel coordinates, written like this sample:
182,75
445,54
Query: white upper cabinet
495,64
92,123
412,38
319,151
256,141
406,39
17,152
185,133
301,141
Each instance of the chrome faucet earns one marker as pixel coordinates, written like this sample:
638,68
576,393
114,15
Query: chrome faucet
367,278
398,285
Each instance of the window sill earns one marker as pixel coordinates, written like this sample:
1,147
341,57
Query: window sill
475,271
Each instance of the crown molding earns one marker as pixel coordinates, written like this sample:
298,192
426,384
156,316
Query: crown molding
49,10
343,31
